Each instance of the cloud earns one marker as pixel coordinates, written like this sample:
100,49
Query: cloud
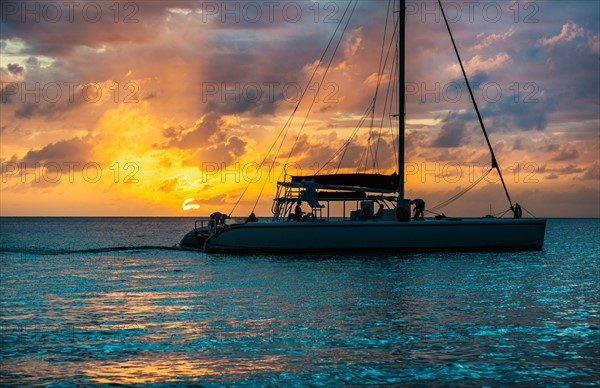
87,24
566,152
594,42
591,172
51,90
27,110
189,204
7,92
199,136
451,134
222,153
236,147
212,140
453,131
521,112
76,150
480,64
183,183
352,45
15,69
569,31
493,38
252,99
176,49
568,170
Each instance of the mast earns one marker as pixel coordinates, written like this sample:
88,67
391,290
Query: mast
401,97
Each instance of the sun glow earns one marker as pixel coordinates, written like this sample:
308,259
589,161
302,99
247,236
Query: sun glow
134,122
189,205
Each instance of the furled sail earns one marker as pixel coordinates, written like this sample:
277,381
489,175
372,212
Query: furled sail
372,181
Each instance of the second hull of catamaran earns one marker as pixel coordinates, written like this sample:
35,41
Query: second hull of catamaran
468,234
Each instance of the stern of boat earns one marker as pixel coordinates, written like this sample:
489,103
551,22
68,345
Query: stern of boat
196,237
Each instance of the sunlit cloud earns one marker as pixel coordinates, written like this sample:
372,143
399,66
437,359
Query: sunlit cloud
189,204
568,32
493,38
176,117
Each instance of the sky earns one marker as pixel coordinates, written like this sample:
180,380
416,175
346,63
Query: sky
169,108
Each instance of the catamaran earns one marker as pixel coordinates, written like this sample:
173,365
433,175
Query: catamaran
390,227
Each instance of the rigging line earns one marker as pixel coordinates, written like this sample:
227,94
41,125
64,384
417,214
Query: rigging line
267,179
379,80
313,75
290,119
262,188
501,213
347,143
387,18
392,131
271,168
390,85
368,147
322,79
494,161
460,194
393,39
370,137
324,74
380,69
344,146
288,122
528,212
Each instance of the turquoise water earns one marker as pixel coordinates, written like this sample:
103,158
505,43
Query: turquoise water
108,301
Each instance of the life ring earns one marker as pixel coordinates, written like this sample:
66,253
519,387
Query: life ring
402,214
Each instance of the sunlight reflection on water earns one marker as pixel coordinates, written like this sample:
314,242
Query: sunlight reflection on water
153,316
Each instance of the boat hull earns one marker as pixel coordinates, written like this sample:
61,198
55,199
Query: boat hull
194,239
428,235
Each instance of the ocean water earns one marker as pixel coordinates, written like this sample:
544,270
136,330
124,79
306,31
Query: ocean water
87,301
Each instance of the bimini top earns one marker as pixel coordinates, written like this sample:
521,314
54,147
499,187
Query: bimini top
372,181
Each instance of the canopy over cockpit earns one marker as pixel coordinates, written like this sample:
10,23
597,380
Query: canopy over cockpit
377,182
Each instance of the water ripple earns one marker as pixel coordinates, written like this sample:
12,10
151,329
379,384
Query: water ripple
85,314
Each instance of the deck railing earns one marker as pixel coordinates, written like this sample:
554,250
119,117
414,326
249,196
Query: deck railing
210,224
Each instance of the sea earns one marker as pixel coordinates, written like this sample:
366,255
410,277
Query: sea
111,301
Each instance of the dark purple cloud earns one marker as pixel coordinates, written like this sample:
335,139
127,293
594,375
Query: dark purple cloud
200,136
75,150
453,130
565,153
592,172
235,48
15,69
